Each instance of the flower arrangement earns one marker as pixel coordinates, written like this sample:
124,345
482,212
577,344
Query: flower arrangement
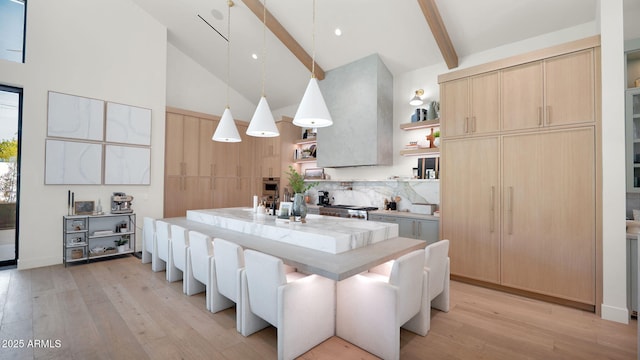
296,181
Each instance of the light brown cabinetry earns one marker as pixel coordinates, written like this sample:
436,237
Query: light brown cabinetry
522,101
470,106
470,206
569,88
201,173
268,154
548,243
551,92
519,204
181,163
274,155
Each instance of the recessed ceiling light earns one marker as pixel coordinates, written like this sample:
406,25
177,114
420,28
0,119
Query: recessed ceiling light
254,56
217,14
338,32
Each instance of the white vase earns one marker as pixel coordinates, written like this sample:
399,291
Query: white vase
436,142
122,248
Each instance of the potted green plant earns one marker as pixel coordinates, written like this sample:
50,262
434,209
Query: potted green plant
121,242
296,181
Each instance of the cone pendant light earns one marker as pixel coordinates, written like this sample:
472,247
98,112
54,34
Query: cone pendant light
262,123
312,111
227,130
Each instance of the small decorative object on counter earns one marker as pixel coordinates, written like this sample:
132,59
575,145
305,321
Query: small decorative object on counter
296,181
299,206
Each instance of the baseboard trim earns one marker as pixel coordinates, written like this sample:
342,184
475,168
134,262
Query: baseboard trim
38,262
525,293
615,313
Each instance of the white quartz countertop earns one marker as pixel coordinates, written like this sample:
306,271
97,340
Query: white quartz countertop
323,233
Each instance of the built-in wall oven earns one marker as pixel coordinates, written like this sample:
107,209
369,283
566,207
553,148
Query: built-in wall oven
270,189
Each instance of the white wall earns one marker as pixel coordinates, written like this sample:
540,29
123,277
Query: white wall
614,277
103,49
192,87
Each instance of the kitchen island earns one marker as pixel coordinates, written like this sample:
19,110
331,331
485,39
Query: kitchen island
328,234
311,261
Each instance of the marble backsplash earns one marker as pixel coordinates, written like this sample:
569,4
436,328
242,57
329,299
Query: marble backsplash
373,193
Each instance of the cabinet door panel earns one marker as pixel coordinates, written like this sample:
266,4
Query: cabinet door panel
485,99
173,145
454,107
569,89
406,227
246,153
521,92
428,230
469,209
206,147
190,145
173,196
549,214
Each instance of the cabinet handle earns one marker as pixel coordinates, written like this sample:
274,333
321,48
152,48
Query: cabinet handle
466,125
510,210
539,115
215,170
492,210
419,230
413,228
473,124
548,115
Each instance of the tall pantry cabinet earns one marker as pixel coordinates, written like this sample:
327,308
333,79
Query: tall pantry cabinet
519,200
201,173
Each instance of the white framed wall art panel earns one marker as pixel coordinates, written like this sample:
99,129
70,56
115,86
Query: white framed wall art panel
128,124
76,117
128,165
72,163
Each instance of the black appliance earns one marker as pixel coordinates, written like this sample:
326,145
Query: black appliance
347,211
270,191
323,198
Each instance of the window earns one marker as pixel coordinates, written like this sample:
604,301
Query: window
12,21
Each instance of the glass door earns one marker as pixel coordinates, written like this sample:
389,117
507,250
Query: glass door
10,120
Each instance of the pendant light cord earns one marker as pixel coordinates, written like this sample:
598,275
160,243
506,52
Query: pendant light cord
313,42
264,45
230,4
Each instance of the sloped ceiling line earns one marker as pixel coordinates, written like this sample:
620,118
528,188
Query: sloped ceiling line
283,35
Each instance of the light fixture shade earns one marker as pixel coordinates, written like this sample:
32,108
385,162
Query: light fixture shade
416,101
226,130
312,111
262,123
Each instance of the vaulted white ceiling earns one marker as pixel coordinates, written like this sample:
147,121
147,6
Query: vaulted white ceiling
395,29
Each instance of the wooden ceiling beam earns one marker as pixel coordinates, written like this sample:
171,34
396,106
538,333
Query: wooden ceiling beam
439,31
283,35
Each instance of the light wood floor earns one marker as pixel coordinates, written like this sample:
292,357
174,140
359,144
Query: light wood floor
120,309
